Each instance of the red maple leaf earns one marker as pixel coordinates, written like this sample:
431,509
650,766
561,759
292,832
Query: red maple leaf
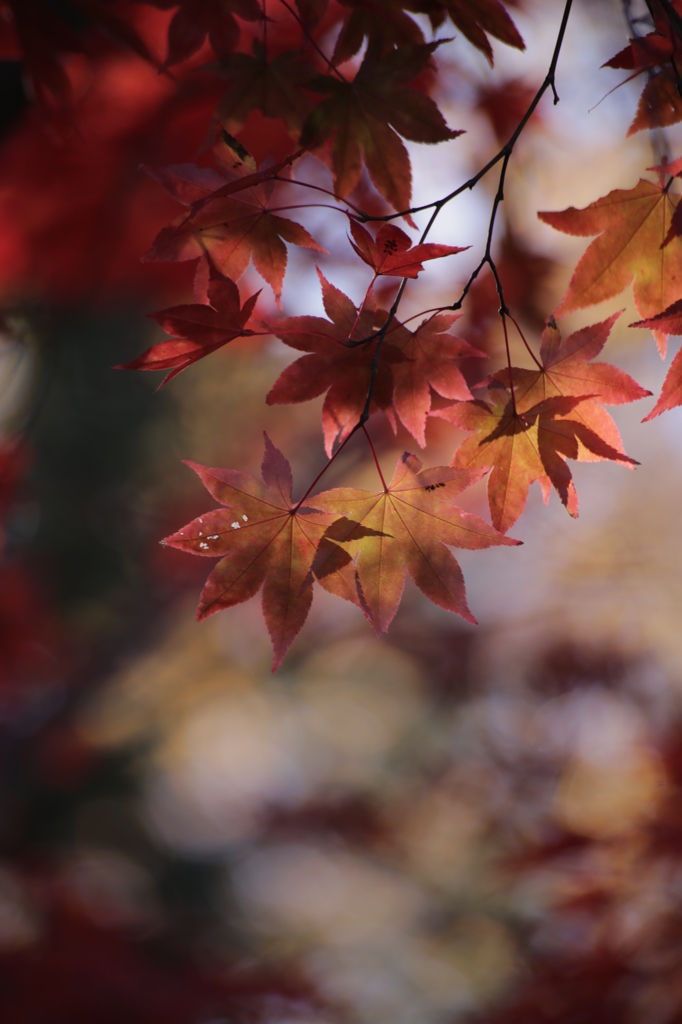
343,371
263,540
478,18
392,253
385,25
404,526
369,114
273,85
196,19
230,229
431,355
197,329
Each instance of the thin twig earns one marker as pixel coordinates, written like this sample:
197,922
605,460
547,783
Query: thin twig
523,339
504,155
376,461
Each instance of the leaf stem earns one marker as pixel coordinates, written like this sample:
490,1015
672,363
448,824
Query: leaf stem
506,150
523,339
322,472
503,314
361,308
376,461
319,188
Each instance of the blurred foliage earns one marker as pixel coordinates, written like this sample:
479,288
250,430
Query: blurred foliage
450,825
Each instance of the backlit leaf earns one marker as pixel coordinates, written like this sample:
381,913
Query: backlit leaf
405,527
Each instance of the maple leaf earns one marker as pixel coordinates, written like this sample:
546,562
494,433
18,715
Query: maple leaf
263,540
566,371
196,19
392,253
272,85
343,372
669,321
522,448
632,226
231,230
197,329
476,19
406,525
430,362
660,104
367,116
44,34
385,26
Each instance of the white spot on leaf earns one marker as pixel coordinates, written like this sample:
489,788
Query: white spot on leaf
235,525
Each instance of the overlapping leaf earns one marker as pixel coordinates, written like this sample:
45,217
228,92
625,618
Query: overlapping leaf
657,53
567,371
392,252
670,321
367,116
385,25
263,540
521,448
343,371
230,229
403,527
195,20
431,354
197,329
477,19
632,227
273,85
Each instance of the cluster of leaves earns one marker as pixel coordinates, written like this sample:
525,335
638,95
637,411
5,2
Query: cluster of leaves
349,106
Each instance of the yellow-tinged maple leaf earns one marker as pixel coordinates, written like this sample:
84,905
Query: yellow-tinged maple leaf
632,226
405,526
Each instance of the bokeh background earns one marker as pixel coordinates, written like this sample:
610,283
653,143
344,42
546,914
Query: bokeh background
446,825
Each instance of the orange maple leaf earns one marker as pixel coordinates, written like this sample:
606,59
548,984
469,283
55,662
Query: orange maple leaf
521,448
633,228
670,321
567,371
